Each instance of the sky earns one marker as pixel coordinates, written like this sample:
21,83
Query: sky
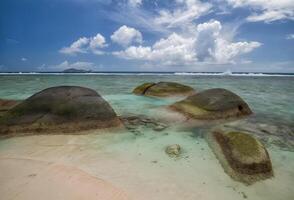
147,35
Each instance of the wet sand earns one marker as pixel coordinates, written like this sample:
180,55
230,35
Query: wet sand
27,179
128,166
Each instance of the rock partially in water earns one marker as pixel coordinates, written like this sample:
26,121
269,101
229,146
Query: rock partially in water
141,89
7,104
173,150
212,104
63,109
163,89
241,155
270,133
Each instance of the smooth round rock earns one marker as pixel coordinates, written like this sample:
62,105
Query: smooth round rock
241,155
163,89
215,103
62,109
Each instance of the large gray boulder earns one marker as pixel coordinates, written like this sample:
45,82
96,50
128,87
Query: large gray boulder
210,104
63,109
163,89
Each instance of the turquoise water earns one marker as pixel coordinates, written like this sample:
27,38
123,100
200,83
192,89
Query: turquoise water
137,163
271,98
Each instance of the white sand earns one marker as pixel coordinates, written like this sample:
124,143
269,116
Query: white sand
27,179
128,167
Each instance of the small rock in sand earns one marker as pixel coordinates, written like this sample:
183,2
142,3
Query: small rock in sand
173,150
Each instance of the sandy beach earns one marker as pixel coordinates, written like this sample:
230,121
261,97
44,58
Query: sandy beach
124,166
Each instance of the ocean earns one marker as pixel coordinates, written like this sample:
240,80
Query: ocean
136,162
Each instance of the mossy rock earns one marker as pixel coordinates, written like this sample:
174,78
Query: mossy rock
141,89
215,103
241,155
62,109
163,89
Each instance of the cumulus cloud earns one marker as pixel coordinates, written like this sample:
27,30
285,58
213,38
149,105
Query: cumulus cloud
84,45
206,45
24,59
78,65
97,41
225,52
79,46
126,35
211,46
266,10
172,50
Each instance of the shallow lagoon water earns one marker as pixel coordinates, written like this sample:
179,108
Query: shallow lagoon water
268,96
137,163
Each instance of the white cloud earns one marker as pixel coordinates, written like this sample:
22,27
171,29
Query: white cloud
84,45
161,20
97,41
212,46
290,37
266,10
225,51
172,50
185,12
24,59
79,46
126,35
77,65
206,45
206,36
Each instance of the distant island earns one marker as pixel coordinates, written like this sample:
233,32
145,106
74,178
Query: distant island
73,70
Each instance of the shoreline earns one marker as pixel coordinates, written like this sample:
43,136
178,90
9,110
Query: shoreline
213,74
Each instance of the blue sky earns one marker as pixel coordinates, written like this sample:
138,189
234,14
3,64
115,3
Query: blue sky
147,35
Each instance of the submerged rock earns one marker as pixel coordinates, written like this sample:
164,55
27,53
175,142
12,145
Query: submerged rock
60,109
173,150
215,103
7,104
163,89
159,127
134,123
241,155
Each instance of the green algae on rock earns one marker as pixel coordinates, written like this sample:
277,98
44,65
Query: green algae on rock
241,155
62,109
215,103
278,133
163,89
141,89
